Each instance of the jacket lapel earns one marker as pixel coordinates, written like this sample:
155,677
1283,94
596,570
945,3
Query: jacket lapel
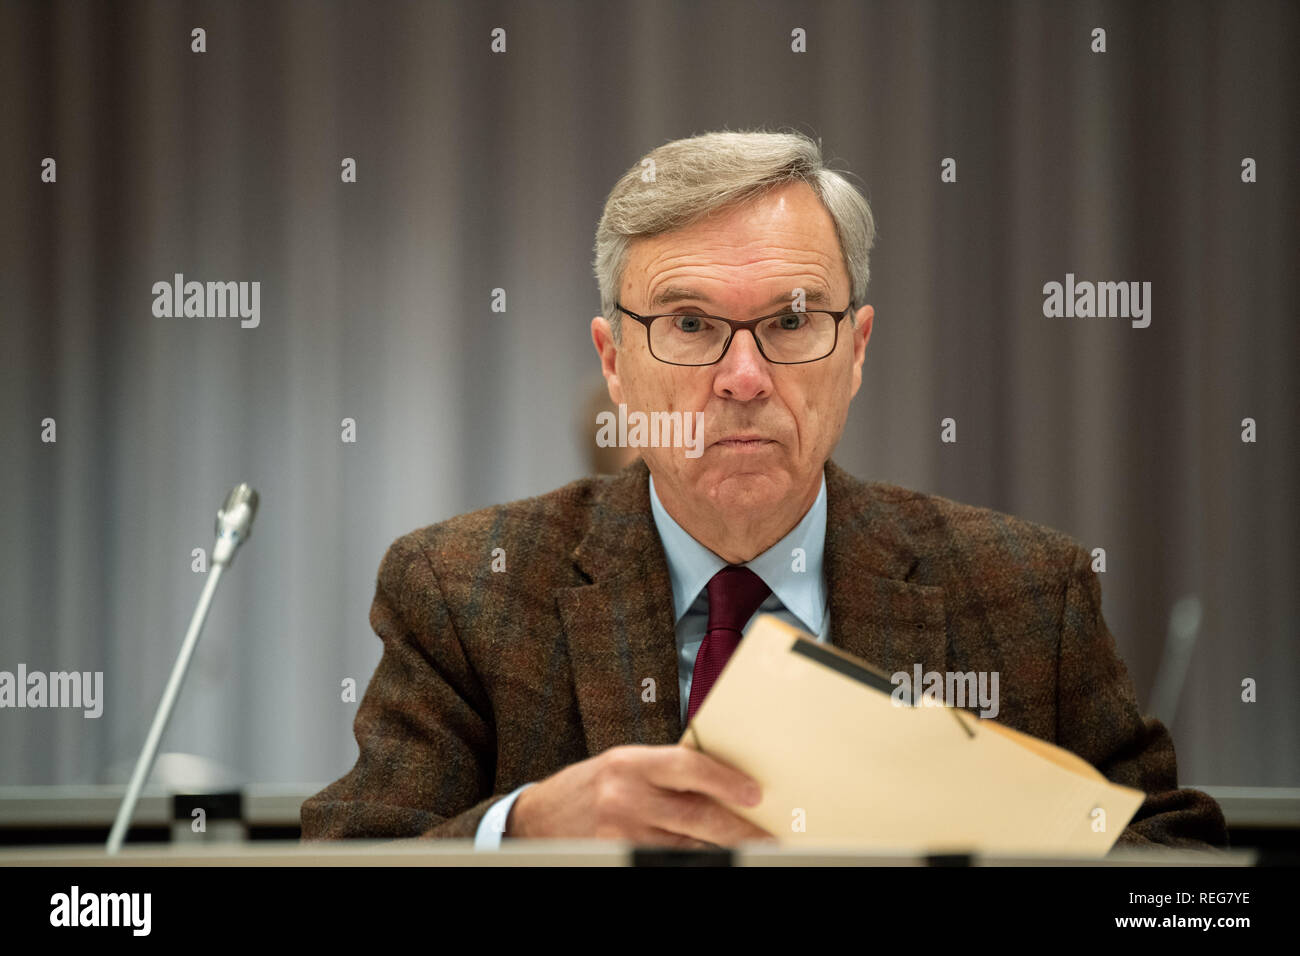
620,630
877,614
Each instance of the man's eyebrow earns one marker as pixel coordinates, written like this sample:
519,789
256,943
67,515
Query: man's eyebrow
670,295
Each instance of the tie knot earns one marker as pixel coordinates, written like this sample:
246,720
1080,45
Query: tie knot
735,593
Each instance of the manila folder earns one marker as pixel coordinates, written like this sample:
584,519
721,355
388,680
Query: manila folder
841,761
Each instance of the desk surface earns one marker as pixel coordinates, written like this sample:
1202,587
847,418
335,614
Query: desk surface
279,804
541,853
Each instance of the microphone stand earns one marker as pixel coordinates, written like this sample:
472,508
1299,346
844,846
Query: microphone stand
229,538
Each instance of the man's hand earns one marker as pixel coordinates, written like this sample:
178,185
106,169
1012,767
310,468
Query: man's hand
659,796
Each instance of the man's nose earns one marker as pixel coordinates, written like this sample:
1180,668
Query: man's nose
743,374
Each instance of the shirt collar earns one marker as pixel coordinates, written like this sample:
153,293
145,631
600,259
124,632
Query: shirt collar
795,579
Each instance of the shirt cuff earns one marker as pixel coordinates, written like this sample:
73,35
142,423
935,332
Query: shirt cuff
493,824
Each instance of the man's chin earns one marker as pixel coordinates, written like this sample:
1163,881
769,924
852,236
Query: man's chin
732,481
742,485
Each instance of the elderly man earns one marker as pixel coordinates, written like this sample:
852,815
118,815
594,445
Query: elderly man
548,699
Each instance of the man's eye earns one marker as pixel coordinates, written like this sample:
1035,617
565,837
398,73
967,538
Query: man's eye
791,322
689,323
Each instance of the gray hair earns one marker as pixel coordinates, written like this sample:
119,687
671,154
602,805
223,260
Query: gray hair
683,181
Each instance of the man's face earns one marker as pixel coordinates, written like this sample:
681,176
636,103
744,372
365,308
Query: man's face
767,429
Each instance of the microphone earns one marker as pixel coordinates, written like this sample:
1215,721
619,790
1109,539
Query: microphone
234,524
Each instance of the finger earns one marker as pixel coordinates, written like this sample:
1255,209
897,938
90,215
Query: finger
655,836
699,817
683,769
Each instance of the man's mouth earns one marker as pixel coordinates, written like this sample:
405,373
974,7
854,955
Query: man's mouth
743,442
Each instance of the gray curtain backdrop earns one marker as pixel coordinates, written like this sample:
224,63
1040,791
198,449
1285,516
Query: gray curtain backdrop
479,171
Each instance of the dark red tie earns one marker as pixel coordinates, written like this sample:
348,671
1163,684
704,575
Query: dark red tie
734,595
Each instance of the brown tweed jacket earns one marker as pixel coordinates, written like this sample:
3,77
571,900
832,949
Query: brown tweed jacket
490,679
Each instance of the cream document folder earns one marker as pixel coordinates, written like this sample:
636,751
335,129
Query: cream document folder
841,761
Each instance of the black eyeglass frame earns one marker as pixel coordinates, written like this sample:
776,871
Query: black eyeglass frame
736,325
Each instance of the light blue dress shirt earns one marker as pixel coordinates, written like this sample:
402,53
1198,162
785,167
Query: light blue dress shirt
792,568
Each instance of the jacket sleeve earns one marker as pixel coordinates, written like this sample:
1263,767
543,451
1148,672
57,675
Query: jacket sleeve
1098,719
423,727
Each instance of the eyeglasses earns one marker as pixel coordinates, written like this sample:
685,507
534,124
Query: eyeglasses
784,338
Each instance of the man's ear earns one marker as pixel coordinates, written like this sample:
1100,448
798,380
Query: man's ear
861,332
602,336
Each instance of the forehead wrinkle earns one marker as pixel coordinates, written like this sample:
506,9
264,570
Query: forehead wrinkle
731,255
673,295
679,272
